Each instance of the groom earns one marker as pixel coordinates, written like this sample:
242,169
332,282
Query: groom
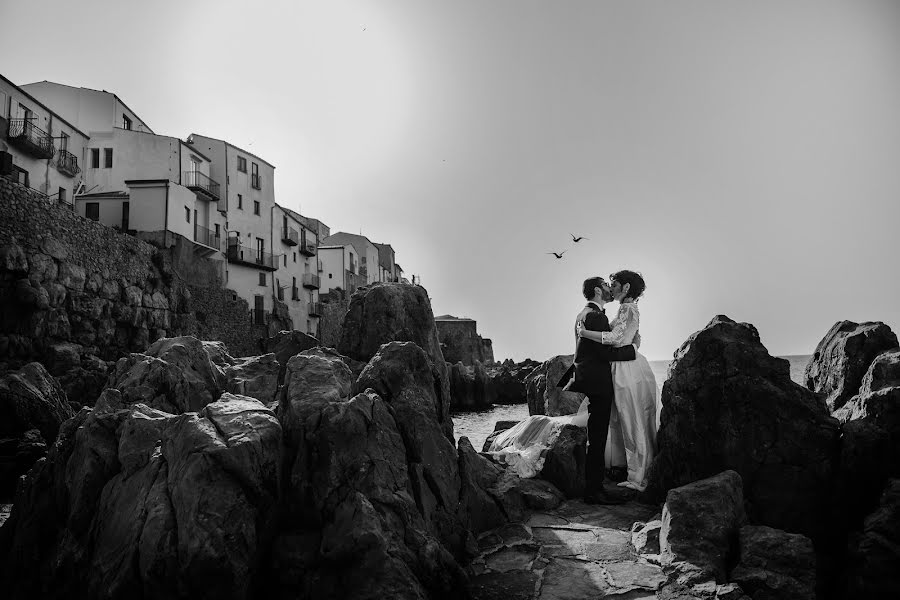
594,378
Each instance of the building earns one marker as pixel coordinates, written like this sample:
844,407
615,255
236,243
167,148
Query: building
460,341
39,147
297,278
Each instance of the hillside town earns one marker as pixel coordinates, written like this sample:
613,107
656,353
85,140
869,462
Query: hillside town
205,198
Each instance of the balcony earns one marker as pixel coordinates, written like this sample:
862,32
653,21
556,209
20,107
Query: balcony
204,236
315,309
256,182
30,138
310,281
290,236
202,184
243,255
67,163
307,248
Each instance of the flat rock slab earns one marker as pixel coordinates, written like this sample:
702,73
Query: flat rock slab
576,551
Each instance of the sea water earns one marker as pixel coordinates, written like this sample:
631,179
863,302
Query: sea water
477,426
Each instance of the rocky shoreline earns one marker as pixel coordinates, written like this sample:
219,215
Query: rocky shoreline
325,473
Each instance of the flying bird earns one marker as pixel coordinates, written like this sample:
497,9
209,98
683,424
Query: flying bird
578,239
558,254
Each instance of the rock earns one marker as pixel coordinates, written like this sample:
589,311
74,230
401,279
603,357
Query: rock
72,276
63,357
781,565
843,356
388,312
875,553
516,495
728,404
544,398
564,461
137,502
254,376
883,373
287,344
509,382
470,387
481,511
13,259
645,536
175,375
53,247
31,398
868,458
83,383
42,269
499,427
700,523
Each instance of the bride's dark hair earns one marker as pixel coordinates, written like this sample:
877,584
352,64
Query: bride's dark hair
633,279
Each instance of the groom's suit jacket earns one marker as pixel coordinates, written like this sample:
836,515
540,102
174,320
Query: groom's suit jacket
591,368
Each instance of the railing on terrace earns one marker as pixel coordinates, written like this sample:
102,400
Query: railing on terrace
307,248
30,138
249,256
200,182
67,163
311,281
315,309
290,236
204,236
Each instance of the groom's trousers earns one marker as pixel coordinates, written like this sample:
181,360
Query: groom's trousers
597,430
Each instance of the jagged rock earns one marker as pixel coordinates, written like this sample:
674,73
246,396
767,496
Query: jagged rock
135,502
645,536
174,375
728,404
63,357
353,469
477,475
54,248
509,384
13,259
516,495
544,398
700,523
254,376
388,312
72,276
499,427
42,269
84,382
780,565
470,387
286,344
842,358
564,461
875,554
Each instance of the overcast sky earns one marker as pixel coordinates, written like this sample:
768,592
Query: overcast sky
744,156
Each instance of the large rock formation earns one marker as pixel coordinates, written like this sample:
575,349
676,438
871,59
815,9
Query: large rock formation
395,312
728,404
775,564
470,387
544,397
32,408
875,552
843,356
286,344
460,341
509,380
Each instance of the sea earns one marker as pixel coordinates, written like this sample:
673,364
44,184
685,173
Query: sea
477,426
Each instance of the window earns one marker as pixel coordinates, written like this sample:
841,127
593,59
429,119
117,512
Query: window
62,194
240,202
95,158
218,232
254,175
256,207
126,122
285,259
126,207
295,257
187,214
329,276
21,175
64,142
262,279
92,211
107,158
242,164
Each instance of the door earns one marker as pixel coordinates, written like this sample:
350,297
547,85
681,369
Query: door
260,251
258,311
125,211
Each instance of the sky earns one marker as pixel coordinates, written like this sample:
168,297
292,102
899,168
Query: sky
743,156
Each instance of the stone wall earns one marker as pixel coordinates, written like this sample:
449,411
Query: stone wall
460,342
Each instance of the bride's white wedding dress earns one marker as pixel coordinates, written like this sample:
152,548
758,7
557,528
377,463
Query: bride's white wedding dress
634,421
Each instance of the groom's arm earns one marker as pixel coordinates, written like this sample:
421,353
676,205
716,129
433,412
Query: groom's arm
599,322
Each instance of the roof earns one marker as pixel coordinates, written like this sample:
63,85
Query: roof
109,195
229,144
42,105
342,236
100,91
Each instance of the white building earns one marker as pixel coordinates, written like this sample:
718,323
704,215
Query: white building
297,278
39,147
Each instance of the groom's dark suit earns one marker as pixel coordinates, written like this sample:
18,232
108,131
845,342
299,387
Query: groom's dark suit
594,378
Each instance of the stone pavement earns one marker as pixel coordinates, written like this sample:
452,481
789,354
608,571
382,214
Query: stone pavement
572,552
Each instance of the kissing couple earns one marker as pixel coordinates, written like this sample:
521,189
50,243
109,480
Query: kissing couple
621,408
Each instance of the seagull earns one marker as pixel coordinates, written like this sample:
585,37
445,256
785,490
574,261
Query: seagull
558,254
578,239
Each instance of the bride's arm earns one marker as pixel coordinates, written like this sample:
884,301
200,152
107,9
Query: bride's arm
620,330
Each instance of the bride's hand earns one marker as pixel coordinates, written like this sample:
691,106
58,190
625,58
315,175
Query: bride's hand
579,327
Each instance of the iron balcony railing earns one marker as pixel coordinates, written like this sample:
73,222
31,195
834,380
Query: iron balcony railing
256,182
311,281
31,138
67,163
204,236
200,182
290,236
315,309
249,256
307,248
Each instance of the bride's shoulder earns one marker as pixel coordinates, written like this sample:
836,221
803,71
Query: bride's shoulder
628,308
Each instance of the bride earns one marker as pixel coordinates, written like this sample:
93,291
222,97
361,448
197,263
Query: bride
633,424
629,443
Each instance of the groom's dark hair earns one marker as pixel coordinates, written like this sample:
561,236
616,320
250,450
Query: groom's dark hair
587,288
